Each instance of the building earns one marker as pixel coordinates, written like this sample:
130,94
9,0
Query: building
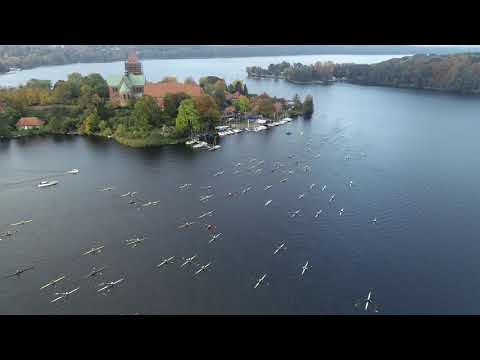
123,88
30,123
2,107
159,90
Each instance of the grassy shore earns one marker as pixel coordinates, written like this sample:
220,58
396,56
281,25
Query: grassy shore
151,140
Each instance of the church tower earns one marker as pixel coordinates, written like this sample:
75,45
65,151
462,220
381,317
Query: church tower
133,65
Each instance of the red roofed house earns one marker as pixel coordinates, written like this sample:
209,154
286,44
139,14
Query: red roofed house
159,90
30,123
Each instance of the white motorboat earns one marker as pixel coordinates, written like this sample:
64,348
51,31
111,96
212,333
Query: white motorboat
191,142
287,119
47,183
200,145
214,147
73,171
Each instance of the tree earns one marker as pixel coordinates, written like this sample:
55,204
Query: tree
146,114
90,124
97,83
75,80
55,125
171,102
242,104
297,103
219,93
39,84
188,118
263,104
208,110
308,106
9,117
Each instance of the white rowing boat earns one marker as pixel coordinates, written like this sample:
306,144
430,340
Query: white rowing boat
47,183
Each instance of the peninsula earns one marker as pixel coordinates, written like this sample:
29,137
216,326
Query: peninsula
132,110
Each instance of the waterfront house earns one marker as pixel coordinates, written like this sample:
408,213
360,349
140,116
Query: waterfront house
123,88
160,89
30,123
229,111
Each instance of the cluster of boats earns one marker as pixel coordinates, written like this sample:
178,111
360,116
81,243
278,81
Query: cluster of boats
266,124
46,183
222,131
226,130
197,145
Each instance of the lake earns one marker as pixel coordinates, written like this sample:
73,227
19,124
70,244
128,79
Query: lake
411,158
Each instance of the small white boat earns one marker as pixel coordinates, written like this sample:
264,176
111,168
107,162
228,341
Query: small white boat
287,119
191,142
200,145
214,147
237,131
73,171
47,183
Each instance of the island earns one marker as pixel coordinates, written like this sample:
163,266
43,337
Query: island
457,73
133,111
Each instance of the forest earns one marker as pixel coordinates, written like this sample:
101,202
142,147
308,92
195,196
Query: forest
459,73
30,56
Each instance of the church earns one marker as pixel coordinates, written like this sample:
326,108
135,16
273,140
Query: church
133,85
123,88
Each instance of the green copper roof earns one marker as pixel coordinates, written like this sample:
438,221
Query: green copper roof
131,80
124,88
137,80
114,80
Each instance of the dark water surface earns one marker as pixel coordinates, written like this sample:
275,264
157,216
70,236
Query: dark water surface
411,156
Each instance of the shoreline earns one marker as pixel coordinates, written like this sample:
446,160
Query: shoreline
152,140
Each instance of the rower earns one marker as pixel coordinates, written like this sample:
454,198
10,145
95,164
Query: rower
367,301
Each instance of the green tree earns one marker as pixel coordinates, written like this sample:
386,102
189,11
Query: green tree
219,93
146,114
188,118
98,84
39,84
171,102
242,104
90,124
9,117
74,81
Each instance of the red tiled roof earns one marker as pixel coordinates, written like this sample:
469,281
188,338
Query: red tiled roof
230,109
30,121
159,90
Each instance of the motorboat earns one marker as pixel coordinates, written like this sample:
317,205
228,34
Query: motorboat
214,147
73,171
200,145
47,183
191,142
